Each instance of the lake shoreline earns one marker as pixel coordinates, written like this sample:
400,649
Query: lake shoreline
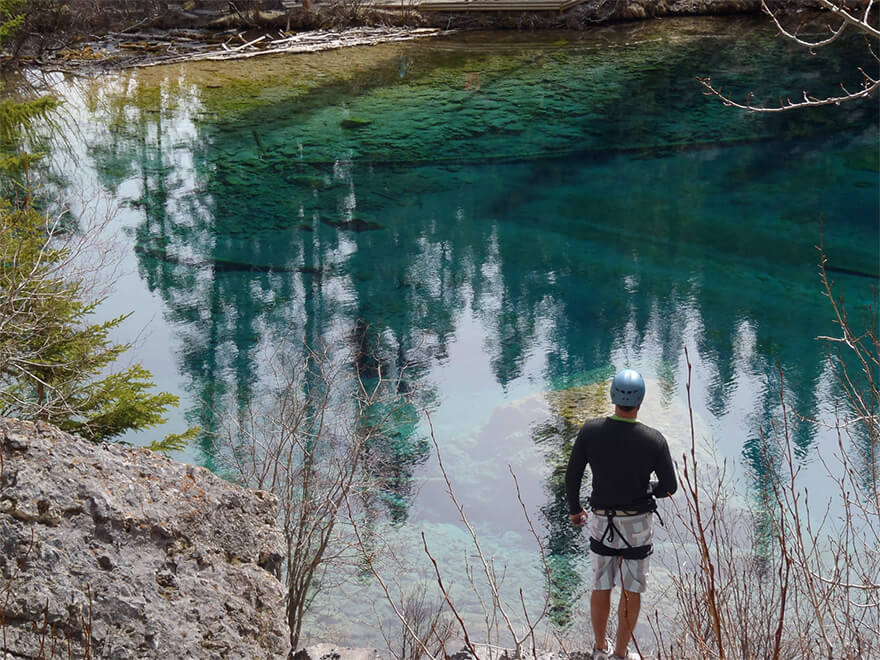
93,51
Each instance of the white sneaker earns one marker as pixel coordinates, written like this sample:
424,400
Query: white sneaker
631,655
601,654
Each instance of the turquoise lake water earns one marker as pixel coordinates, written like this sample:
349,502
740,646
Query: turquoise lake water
509,214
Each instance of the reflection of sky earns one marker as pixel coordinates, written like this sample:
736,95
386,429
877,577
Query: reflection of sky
501,279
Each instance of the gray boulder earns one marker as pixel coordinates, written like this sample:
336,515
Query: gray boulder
114,552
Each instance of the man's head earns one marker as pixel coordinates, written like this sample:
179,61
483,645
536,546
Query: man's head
628,389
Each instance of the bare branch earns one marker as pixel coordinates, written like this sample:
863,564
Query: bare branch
467,639
861,24
869,86
793,36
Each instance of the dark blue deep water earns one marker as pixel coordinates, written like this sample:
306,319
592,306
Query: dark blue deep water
510,214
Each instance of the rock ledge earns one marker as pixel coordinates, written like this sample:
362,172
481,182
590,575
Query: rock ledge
123,553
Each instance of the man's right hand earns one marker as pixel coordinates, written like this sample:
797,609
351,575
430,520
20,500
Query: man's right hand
578,519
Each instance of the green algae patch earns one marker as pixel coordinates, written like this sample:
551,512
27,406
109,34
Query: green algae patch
224,90
578,404
867,160
354,123
238,86
516,96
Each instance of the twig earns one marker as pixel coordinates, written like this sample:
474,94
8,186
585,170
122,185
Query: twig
869,86
467,639
694,501
487,570
371,565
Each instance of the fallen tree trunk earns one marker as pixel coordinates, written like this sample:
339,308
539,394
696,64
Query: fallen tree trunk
305,42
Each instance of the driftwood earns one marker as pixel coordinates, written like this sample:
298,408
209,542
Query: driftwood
304,42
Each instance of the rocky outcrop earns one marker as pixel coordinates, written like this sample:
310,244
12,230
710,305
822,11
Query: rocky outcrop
117,552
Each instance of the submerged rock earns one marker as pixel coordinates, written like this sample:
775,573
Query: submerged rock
355,224
578,404
216,264
355,123
124,553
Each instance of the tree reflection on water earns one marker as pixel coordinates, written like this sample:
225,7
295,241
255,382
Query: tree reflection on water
583,214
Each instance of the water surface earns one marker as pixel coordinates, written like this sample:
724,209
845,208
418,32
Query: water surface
508,214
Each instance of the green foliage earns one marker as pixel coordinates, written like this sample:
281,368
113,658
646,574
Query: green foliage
55,363
175,441
52,358
110,406
17,118
11,18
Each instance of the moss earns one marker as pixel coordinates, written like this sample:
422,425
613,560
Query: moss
578,404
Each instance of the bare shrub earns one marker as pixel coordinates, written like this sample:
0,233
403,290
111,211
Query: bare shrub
784,576
504,622
427,630
310,440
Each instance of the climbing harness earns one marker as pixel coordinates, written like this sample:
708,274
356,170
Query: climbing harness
630,551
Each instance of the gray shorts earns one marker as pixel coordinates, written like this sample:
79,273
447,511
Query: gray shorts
632,574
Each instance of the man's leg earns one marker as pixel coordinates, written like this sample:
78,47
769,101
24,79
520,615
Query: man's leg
600,608
627,615
633,578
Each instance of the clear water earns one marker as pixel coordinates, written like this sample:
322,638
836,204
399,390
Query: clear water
586,208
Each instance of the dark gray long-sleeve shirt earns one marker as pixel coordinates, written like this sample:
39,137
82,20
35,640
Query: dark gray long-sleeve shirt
621,454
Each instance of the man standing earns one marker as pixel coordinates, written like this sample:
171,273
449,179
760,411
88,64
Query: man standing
622,453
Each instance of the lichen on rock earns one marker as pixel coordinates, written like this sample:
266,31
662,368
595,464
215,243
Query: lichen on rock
129,554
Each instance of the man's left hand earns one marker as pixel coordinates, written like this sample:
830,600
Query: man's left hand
578,519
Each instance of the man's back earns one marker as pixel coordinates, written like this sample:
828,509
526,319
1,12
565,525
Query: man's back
622,454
